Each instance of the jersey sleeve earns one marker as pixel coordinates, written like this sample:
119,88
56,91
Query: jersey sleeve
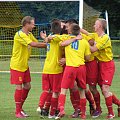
103,42
24,39
66,37
86,37
33,38
92,35
87,50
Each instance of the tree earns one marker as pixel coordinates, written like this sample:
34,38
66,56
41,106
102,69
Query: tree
46,11
113,8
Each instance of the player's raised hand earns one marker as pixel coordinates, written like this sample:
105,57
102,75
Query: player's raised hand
43,34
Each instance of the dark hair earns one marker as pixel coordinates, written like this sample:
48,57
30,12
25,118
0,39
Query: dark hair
54,19
63,30
27,19
63,21
56,27
75,29
71,21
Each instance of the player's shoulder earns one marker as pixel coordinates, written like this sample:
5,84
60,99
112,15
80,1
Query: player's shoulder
84,42
92,33
20,33
30,34
105,39
62,37
53,35
106,36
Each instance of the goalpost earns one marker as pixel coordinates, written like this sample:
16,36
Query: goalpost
106,17
81,13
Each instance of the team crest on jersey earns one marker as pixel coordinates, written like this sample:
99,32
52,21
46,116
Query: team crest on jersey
20,79
75,45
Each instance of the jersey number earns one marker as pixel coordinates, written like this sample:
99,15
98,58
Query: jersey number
48,47
75,45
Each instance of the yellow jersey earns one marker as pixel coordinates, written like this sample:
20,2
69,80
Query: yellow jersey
21,51
88,37
54,53
104,46
76,51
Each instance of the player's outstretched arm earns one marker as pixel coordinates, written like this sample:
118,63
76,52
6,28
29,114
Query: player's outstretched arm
38,44
67,42
84,31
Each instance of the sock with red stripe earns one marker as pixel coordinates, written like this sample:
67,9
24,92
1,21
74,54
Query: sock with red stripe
97,101
54,104
43,98
61,102
108,101
89,97
75,99
115,100
83,106
48,101
17,98
24,95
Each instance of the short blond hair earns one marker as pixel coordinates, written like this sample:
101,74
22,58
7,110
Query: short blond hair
27,19
103,23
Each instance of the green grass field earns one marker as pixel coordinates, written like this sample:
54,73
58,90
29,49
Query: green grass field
7,105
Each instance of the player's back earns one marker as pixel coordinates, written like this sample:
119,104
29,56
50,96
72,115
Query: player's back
75,53
54,53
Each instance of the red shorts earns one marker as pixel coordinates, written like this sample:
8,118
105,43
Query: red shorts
74,73
17,77
106,72
92,72
52,82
